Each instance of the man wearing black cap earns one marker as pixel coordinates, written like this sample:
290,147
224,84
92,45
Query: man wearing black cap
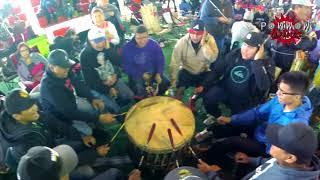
57,93
194,52
292,151
246,76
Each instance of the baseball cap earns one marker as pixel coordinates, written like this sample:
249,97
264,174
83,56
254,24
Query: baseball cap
186,173
254,39
295,138
18,100
302,2
41,163
96,35
197,27
237,2
59,57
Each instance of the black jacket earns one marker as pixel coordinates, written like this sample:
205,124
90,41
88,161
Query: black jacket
44,132
88,61
241,78
283,55
57,97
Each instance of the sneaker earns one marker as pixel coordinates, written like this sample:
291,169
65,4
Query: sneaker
203,135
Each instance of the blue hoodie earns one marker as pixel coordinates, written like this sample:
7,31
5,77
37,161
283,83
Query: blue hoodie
272,113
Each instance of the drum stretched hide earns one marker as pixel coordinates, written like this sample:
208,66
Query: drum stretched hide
161,114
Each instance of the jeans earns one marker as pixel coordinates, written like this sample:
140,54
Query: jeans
137,84
124,92
110,105
220,43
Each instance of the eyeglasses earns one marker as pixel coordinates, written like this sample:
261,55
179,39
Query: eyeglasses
282,92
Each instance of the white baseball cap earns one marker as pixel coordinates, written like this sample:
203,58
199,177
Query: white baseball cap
302,2
96,35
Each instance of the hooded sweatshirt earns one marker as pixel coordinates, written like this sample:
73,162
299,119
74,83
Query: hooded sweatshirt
272,113
137,61
89,62
272,170
57,96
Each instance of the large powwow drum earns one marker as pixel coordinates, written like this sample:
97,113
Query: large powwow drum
150,18
160,129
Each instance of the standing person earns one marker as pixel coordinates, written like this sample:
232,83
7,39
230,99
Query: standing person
238,11
261,19
217,24
191,58
143,60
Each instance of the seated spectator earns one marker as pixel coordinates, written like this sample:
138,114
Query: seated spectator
23,126
112,14
57,93
109,29
246,77
241,28
192,57
30,66
292,151
185,8
95,61
289,106
143,61
261,19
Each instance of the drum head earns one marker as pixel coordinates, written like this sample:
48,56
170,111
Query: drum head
160,110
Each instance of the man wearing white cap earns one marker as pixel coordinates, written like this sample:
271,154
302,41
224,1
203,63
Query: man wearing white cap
284,55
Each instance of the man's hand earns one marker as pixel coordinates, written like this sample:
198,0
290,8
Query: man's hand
260,53
106,118
89,141
204,167
98,104
110,13
135,175
224,20
240,157
112,80
223,120
147,76
158,78
173,82
103,150
312,35
198,89
113,92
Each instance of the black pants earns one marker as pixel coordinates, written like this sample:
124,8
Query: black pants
186,79
230,141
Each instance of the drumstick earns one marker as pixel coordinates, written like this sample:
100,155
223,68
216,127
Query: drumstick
115,135
172,144
121,114
175,125
148,140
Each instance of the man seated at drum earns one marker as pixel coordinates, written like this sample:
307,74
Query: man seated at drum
192,57
143,60
292,151
24,126
290,105
241,79
57,93
58,163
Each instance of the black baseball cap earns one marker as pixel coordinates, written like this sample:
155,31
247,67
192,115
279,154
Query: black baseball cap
18,100
43,163
186,173
254,39
295,138
59,58
197,27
